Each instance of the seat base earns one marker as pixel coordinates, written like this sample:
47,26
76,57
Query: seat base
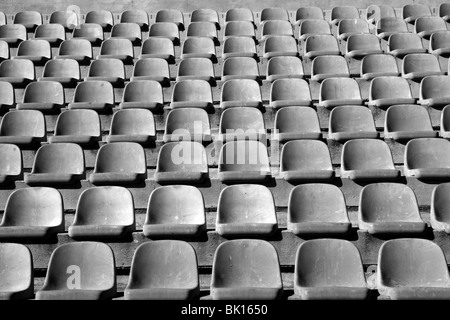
252,293
99,231
245,229
319,228
332,293
161,293
162,230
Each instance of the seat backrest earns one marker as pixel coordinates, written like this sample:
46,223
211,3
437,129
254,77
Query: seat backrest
78,122
239,14
94,91
101,17
18,68
116,46
35,47
274,14
244,155
76,47
121,157
133,122
59,158
143,90
29,123
241,90
407,118
62,68
16,263
107,67
46,91
427,153
182,156
351,118
192,90
10,160
136,16
366,154
305,155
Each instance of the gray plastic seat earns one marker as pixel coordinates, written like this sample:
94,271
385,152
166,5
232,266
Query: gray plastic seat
307,13
67,19
145,94
155,69
95,95
283,68
203,29
361,45
13,34
17,72
416,66
376,12
102,17
199,47
23,128
52,32
241,93
239,14
411,12
275,46
140,17
175,211
412,269
239,29
171,15
120,163
7,96
239,46
274,13
433,91
339,13
158,48
246,210
92,32
117,48
10,164
103,212
132,125
47,96
338,92
64,71
317,209
440,43
310,27
240,68
182,162
324,67
167,30
111,70
4,50
440,208
2,18
241,124
348,27
32,213
306,161
378,65
351,122
444,11
17,278
329,269
29,19
77,126
320,45
401,44
276,28
296,123
389,208
93,262
426,26
388,26
191,124
208,15
173,272
196,68
129,31
192,94
254,274
405,122
76,49
388,91
445,123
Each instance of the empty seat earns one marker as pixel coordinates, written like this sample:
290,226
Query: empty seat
275,46
129,31
77,126
338,92
103,212
412,269
33,213
317,209
377,65
132,125
145,94
401,44
140,17
361,45
411,12
306,13
2,18
387,91
254,273
75,49
10,163
181,162
95,95
196,68
241,124
276,28
23,128
239,46
444,11
192,94
419,65
92,32
13,34
17,279
67,19
274,13
239,29
313,27
155,69
390,25
171,15
122,163
324,67
167,30
433,91
284,67
239,14
102,17
351,122
36,50
305,161
426,26
80,271
240,68
163,270
47,96
4,50
440,43
244,161
405,122
240,93
209,15
445,123
348,27
440,208
289,92
376,12
199,47
7,96
203,29
111,70
320,45
53,33
343,12
246,210
158,48
117,48
427,158
64,71
17,72
329,269
191,124
175,211
29,19
296,123
389,208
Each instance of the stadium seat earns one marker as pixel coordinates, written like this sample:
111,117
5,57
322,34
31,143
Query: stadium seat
296,123
329,269
75,49
4,50
3,18
284,67
175,211
102,17
17,277
132,125
417,66
444,11
361,45
321,45
348,27
412,269
203,29
77,126
163,270
110,70
140,17
182,162
32,213
191,124
239,46
192,94
378,65
68,19
427,158
243,123
240,93
387,91
340,13
47,96
7,96
155,69
338,92
196,69
64,71
117,48
239,14
253,275
439,208
53,33
411,12
29,19
401,44
23,128
317,209
10,164
167,30
307,13
351,122
275,46
17,72
145,94
199,47
306,161
129,31
13,34
376,12
80,271
276,28
95,95
426,26
388,26
103,212
274,13
433,91
440,43
389,208
208,15
171,15
324,67
92,32
310,27
240,68
239,29
158,48
246,210
405,122
445,123
244,162
122,163
36,50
